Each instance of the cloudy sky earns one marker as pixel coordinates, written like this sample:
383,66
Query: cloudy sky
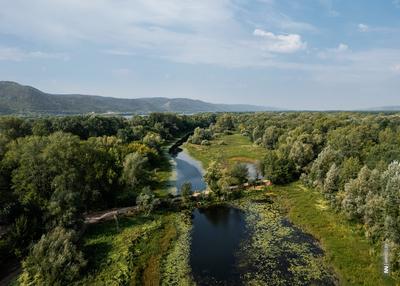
305,54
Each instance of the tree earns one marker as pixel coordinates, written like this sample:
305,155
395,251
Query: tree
135,173
145,200
331,184
270,137
321,166
391,184
277,168
186,191
54,260
213,175
301,154
200,135
239,173
153,140
225,123
356,191
42,127
14,127
349,170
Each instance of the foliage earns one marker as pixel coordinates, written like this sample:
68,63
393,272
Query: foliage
200,135
186,191
176,266
145,200
354,259
135,174
54,260
276,252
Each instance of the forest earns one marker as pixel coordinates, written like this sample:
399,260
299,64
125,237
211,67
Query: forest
56,170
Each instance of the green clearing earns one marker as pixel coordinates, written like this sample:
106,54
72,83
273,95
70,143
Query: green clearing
236,148
346,249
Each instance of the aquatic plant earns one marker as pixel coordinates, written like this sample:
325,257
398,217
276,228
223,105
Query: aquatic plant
276,252
176,269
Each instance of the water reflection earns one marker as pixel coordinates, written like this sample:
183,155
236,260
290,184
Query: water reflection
217,233
188,170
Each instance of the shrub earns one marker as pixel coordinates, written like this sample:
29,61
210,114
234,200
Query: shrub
54,260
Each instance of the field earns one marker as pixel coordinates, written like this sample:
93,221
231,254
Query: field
352,256
236,148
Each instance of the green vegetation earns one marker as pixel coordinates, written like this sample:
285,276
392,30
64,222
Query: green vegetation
19,99
55,170
356,258
134,254
346,248
277,252
235,148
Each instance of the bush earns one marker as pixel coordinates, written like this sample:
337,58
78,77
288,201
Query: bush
205,143
54,260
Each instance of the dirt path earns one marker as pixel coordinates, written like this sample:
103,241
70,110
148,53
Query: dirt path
109,214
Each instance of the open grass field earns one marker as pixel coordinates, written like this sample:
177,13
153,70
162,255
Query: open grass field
354,259
236,148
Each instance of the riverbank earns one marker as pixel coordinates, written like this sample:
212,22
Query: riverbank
142,252
356,261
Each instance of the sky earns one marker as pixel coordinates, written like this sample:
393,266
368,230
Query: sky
306,54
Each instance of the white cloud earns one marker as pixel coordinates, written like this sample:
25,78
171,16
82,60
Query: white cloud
342,48
280,43
363,27
396,68
17,54
205,32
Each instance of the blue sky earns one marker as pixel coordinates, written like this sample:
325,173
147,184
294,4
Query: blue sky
310,54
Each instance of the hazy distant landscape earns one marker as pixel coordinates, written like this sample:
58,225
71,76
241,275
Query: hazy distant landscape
20,99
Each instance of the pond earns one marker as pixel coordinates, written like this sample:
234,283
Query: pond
252,244
216,237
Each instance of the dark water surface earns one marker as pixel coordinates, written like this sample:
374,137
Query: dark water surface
217,234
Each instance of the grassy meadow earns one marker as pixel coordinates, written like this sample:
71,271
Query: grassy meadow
233,147
354,259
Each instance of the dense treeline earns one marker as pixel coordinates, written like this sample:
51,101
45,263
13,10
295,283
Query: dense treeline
352,158
54,170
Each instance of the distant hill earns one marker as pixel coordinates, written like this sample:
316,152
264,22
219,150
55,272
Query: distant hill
20,99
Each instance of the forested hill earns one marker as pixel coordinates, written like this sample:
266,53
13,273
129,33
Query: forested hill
19,99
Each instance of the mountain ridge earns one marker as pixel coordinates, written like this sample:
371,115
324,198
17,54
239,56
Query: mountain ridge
20,99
